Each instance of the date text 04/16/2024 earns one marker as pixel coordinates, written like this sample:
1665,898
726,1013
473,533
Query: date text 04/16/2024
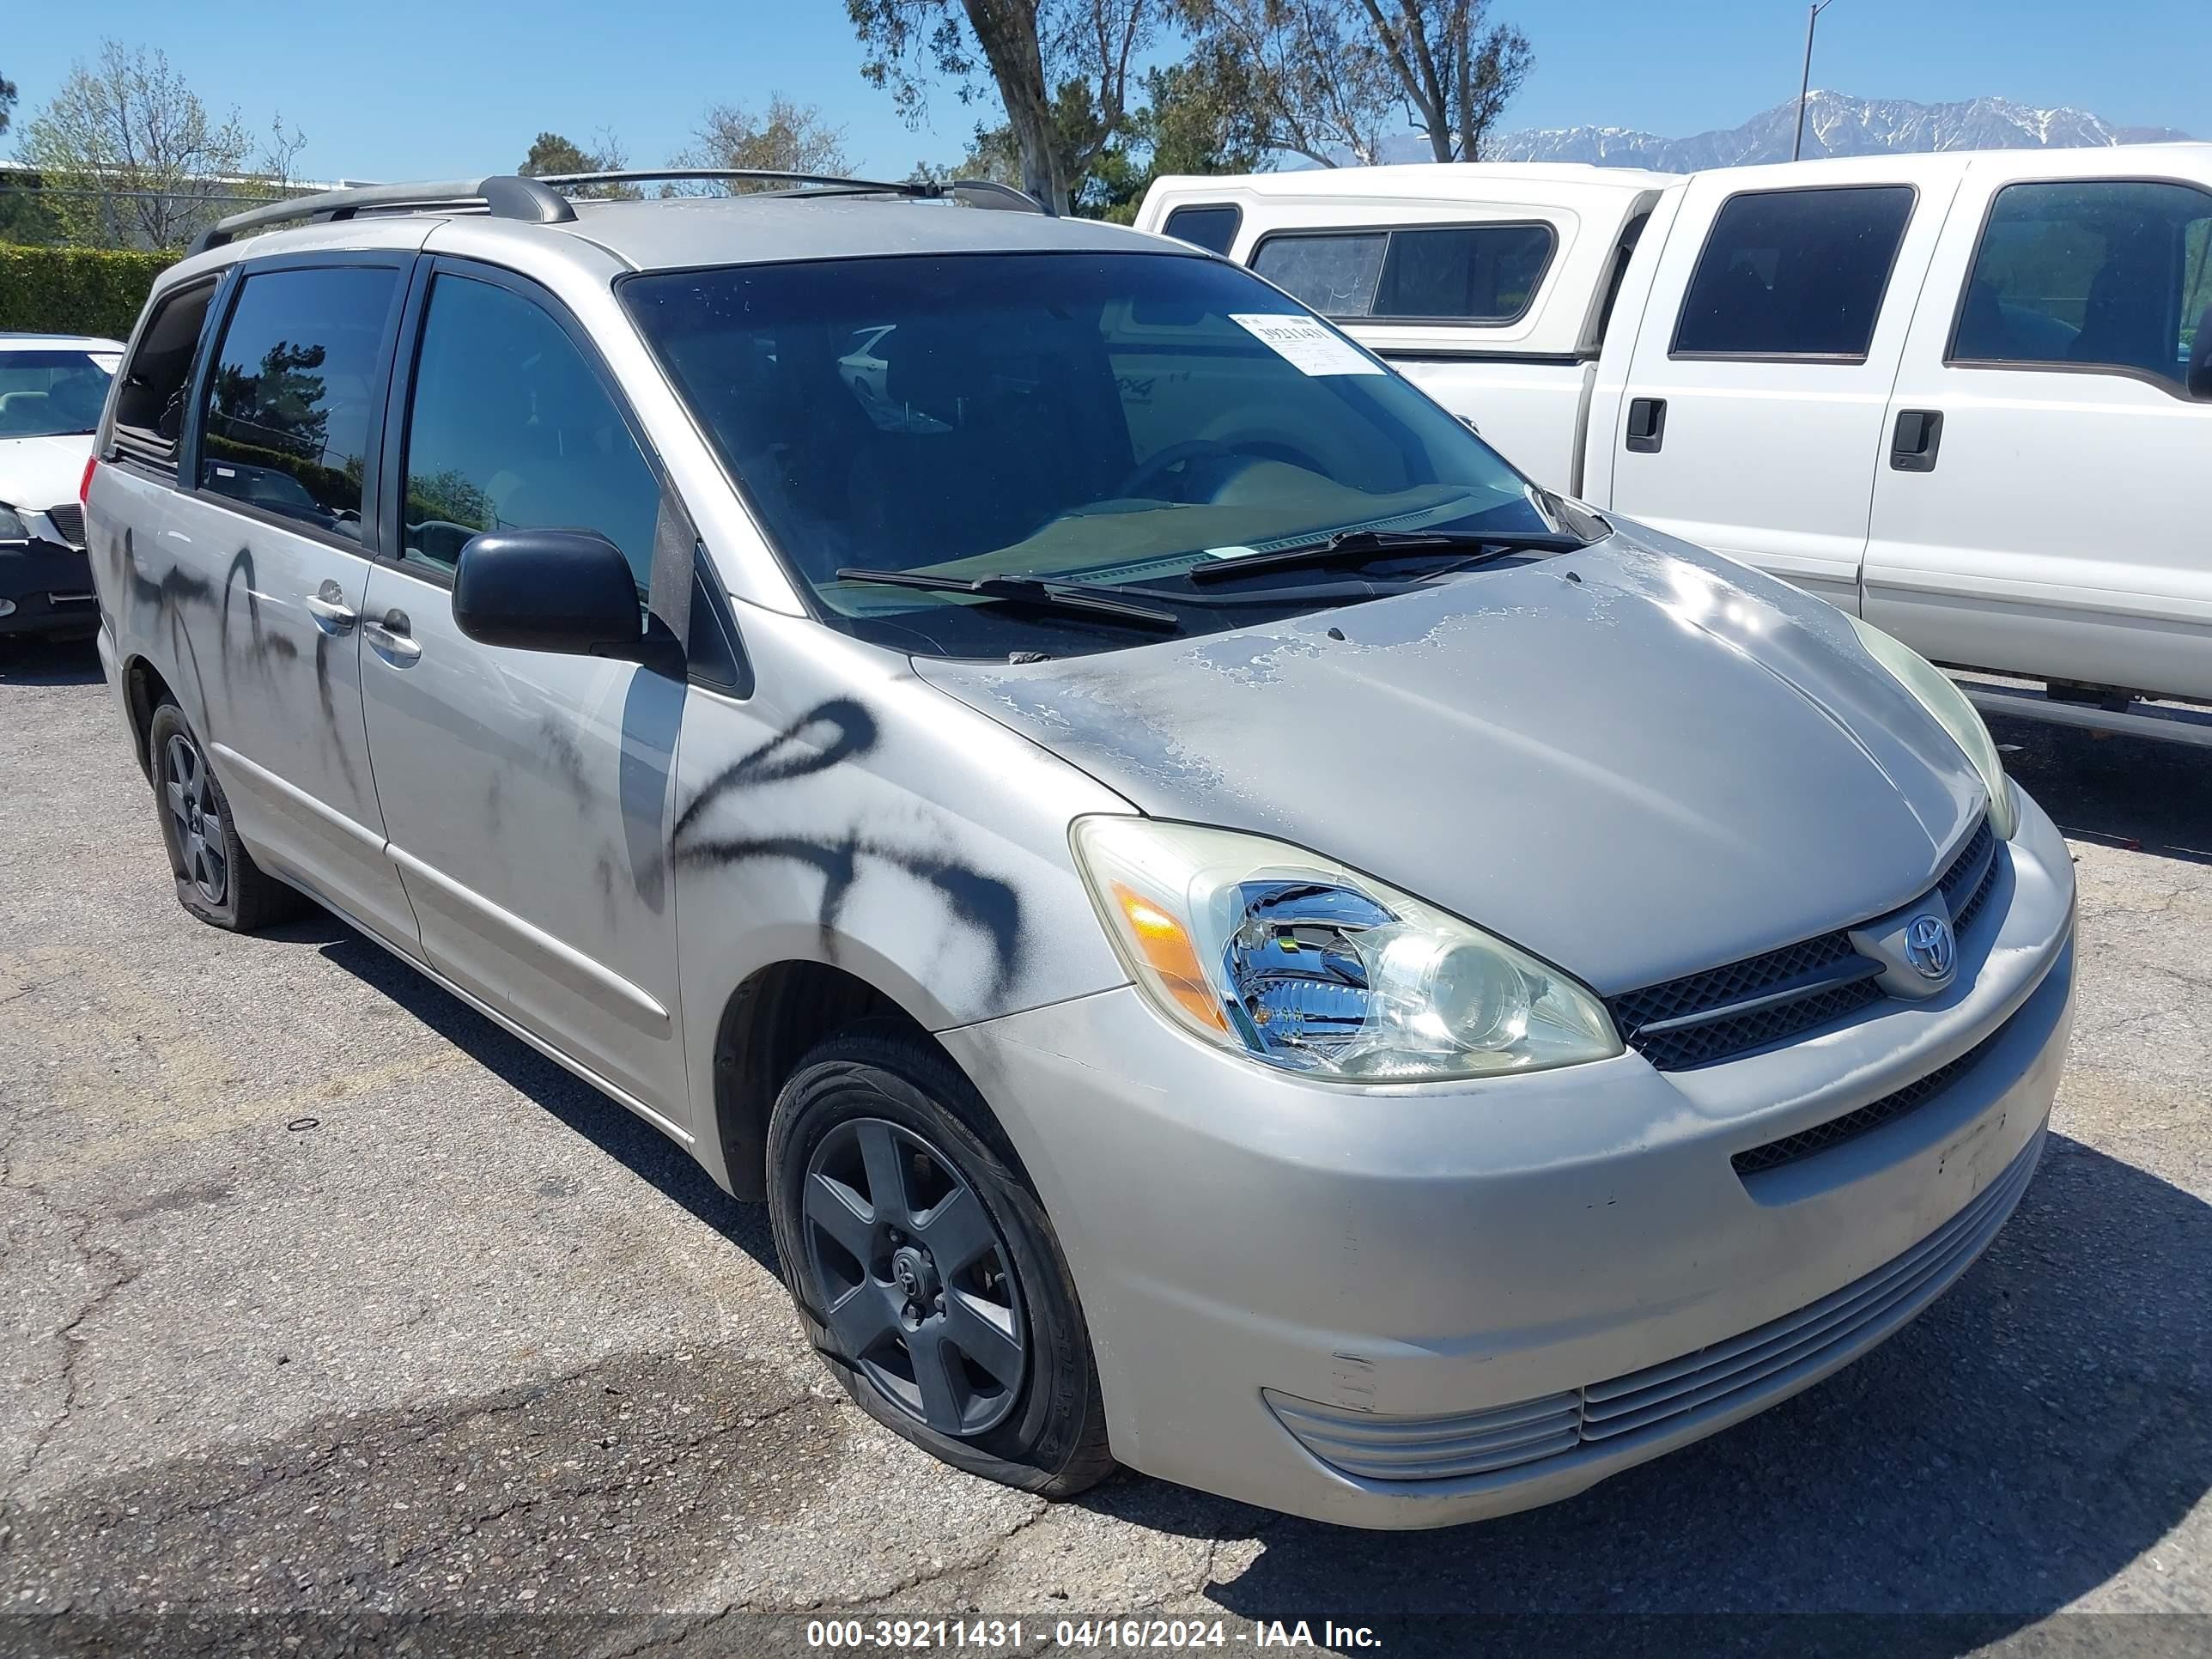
915,1634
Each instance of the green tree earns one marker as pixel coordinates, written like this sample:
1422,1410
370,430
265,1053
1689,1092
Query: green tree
7,101
1031,52
552,155
129,157
1188,122
1324,78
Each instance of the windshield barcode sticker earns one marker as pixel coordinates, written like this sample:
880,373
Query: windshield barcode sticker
1307,343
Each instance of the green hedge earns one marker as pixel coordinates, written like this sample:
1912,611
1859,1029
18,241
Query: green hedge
76,290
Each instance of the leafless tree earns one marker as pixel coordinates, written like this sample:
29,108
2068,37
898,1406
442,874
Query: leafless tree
786,137
1325,79
129,155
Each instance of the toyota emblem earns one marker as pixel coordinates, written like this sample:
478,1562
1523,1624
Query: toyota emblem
1929,947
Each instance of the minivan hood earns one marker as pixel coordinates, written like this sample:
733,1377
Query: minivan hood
42,473
1633,762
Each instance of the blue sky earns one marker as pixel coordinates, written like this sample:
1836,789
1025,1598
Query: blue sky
409,88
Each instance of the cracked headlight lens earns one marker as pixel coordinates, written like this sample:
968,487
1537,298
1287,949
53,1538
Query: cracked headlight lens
1293,960
1940,695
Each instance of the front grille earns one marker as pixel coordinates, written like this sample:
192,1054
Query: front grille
1851,1124
1722,1012
1622,1412
68,519
1969,872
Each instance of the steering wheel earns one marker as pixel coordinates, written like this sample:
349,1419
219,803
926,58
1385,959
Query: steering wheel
1148,471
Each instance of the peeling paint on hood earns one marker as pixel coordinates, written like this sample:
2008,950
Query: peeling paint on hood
1636,760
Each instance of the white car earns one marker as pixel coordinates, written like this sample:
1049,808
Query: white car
1963,396
52,387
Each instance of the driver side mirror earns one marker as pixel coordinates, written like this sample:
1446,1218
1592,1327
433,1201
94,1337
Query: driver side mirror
2199,384
566,591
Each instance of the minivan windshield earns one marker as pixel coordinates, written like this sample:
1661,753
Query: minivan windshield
52,394
1110,420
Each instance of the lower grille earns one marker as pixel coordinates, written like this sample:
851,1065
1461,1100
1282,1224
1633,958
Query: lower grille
1644,1405
1851,1124
68,519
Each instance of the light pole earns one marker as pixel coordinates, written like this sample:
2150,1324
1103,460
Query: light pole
1812,16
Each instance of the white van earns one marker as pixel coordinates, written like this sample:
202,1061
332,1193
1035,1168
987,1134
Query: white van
1966,396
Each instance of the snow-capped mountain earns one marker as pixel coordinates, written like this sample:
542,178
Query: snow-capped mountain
1836,123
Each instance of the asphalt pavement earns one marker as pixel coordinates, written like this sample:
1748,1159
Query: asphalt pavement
333,1313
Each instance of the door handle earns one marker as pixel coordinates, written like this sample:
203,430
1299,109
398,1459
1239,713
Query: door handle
1919,434
1647,424
389,635
327,606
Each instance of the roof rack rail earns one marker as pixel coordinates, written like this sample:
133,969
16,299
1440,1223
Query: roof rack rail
972,192
503,196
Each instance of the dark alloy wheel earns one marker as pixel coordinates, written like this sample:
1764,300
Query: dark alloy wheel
920,1287
216,878
925,1269
196,817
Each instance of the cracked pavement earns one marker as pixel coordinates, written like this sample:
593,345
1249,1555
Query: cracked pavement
325,1299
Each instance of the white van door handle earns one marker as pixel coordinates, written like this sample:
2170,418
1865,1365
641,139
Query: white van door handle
327,606
389,635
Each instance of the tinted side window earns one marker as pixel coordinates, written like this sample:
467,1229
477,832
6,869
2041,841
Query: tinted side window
511,429
2101,273
149,410
293,392
1457,273
1213,229
1795,273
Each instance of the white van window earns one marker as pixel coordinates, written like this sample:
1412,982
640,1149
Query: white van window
2100,273
1795,273
1445,273
1213,229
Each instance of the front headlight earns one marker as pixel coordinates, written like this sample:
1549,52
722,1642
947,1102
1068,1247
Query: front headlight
12,527
1940,697
1267,951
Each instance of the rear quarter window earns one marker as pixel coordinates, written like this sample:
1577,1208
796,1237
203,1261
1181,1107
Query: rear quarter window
149,408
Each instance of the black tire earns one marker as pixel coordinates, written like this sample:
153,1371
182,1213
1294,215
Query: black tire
1047,1432
216,877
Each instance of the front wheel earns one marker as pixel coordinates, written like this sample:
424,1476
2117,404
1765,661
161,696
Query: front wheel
925,1268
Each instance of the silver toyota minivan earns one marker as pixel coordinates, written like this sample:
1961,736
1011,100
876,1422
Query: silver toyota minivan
1234,933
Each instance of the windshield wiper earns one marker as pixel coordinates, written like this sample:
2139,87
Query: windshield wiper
1359,546
1025,589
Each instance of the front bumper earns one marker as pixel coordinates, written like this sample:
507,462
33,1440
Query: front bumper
1427,1277
47,588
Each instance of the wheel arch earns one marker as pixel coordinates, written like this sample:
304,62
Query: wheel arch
143,692
779,1014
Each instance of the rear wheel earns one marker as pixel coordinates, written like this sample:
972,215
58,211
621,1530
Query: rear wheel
925,1268
216,877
